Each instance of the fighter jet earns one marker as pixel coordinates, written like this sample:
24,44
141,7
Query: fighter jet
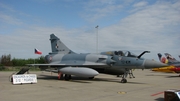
66,62
174,64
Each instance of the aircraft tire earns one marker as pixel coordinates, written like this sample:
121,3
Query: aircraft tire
67,77
123,81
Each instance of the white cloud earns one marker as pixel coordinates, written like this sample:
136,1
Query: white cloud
97,9
140,4
6,7
10,19
154,28
147,29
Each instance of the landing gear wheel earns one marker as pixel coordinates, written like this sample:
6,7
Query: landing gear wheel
67,77
123,81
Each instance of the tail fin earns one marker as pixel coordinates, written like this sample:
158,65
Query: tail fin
169,57
159,56
57,46
162,59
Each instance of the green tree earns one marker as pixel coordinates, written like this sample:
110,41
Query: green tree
6,60
23,62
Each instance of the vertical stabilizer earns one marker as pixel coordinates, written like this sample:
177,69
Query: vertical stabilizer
57,46
159,56
162,59
169,57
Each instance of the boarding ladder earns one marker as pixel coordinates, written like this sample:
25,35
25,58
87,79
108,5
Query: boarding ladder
21,71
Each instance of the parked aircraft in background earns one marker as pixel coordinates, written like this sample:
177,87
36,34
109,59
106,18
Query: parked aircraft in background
174,64
66,62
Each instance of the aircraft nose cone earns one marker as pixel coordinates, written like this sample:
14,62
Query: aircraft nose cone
153,64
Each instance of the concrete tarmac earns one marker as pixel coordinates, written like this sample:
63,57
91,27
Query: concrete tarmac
147,86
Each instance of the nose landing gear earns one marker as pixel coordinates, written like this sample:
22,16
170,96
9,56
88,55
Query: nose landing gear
124,76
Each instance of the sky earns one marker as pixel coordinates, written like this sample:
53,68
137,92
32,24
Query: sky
134,25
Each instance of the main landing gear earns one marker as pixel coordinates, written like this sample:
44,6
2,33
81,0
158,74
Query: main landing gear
127,72
66,77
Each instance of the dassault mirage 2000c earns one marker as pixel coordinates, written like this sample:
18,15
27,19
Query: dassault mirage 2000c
65,61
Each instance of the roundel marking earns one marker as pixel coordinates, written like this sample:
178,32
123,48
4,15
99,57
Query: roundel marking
50,58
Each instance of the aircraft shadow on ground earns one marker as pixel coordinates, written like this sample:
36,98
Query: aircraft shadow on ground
156,75
173,76
77,79
177,76
86,80
47,77
115,79
80,79
159,99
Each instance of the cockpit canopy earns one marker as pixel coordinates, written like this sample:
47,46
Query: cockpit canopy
125,53
120,53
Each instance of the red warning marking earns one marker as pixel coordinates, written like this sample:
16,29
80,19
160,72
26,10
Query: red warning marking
157,93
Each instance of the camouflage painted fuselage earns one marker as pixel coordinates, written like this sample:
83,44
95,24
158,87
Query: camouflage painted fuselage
110,62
